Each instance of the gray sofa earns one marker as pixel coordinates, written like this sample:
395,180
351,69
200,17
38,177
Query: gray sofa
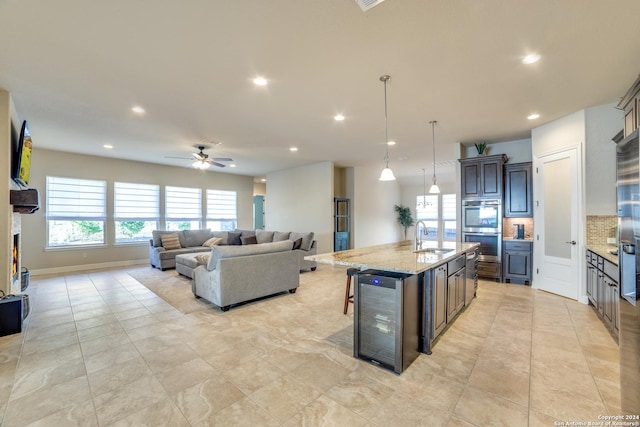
235,274
192,241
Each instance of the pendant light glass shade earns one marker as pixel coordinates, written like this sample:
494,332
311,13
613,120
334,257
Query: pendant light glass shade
434,187
387,173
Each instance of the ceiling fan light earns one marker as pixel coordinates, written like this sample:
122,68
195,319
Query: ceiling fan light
202,165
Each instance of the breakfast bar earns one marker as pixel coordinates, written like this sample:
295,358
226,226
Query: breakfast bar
405,298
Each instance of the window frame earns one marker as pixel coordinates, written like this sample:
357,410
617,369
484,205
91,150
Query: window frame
142,191
221,197
169,191
440,220
54,211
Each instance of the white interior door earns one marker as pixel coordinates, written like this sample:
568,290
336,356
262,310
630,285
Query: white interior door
556,224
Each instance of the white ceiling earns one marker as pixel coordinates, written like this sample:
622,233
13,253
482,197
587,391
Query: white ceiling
75,68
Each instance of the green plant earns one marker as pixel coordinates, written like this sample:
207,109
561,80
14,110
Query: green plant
481,146
404,218
88,228
131,228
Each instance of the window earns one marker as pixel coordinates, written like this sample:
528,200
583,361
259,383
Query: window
221,210
439,214
76,211
183,208
427,211
136,211
449,222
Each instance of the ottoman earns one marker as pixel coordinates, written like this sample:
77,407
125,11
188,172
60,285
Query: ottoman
186,263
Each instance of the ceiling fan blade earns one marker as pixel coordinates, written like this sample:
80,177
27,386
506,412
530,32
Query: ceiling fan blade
220,165
222,159
199,156
174,157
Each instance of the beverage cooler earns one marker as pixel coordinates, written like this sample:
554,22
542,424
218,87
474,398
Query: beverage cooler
387,319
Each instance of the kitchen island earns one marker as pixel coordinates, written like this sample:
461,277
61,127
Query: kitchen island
396,281
396,257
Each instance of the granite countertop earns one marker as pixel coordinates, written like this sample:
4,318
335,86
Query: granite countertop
603,251
526,239
398,257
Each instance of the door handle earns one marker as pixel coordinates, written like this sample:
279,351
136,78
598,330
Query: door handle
573,242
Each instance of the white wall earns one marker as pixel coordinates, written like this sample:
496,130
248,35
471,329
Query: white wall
565,132
56,163
602,124
6,235
301,199
374,217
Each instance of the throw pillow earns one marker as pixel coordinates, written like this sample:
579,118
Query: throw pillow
212,242
202,259
170,241
297,243
249,240
233,238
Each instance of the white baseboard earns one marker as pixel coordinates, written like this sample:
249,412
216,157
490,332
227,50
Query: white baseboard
87,267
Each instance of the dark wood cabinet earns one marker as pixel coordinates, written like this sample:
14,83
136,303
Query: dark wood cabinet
482,177
518,190
439,281
517,261
631,107
603,290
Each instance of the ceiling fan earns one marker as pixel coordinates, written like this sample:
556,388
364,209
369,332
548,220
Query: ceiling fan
201,160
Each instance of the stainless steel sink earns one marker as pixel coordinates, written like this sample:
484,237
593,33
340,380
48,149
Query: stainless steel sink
435,250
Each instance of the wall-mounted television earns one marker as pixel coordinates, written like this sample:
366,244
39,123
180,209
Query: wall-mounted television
22,161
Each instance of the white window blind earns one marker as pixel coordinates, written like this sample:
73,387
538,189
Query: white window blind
221,205
449,207
72,199
427,207
182,203
136,201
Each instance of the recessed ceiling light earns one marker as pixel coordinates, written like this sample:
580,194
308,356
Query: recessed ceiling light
338,117
533,116
263,180
137,109
293,149
232,165
260,81
108,146
530,59
391,143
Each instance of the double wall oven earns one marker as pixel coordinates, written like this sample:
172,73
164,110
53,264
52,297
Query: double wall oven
482,223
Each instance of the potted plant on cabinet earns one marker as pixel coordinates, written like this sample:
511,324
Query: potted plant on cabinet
404,218
481,147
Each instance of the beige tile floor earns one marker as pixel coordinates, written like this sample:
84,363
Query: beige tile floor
102,349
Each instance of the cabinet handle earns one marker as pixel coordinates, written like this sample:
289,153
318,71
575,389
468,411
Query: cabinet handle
573,242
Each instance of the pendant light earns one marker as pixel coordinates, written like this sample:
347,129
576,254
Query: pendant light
434,188
387,173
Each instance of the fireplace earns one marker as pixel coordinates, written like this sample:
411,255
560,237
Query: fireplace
15,270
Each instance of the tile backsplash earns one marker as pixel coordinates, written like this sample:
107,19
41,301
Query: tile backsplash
601,227
507,227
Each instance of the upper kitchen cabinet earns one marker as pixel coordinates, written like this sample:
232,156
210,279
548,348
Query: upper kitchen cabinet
482,177
518,192
630,104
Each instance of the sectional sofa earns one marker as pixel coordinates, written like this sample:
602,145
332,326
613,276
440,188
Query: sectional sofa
233,274
163,256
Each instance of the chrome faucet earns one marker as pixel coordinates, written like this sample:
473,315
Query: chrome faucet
417,242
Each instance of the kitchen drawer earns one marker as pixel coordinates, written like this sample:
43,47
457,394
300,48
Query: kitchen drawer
456,264
489,269
513,245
